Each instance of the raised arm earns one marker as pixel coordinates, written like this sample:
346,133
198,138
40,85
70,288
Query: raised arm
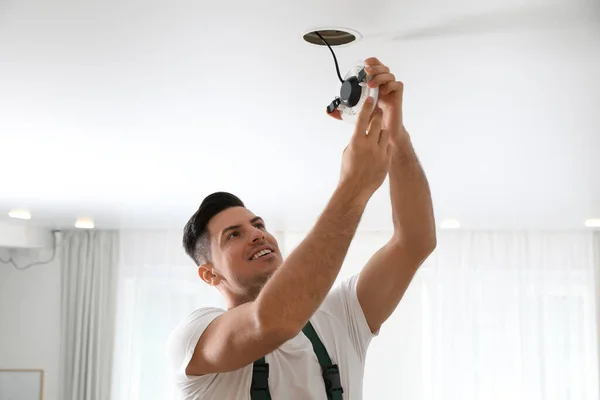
385,278
295,291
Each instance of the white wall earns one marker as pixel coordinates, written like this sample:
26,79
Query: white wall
30,317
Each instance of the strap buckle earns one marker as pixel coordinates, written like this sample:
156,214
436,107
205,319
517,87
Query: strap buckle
331,376
260,377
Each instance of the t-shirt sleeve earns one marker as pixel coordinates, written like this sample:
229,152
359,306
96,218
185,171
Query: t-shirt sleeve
342,302
184,338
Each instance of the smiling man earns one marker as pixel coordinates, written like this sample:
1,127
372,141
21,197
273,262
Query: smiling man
285,333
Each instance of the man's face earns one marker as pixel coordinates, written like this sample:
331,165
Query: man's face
244,254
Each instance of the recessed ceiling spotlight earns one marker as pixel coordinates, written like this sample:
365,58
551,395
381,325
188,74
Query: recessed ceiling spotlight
84,223
450,224
19,214
593,223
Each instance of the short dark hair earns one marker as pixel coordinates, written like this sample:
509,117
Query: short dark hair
196,238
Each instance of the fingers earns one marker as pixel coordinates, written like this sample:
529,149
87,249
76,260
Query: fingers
362,121
389,87
375,125
372,61
374,67
381,79
372,70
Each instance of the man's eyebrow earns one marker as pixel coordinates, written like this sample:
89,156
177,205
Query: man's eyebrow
234,227
230,228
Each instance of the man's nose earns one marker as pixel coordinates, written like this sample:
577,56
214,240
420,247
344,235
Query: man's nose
257,235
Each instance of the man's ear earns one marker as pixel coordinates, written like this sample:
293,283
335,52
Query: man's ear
208,275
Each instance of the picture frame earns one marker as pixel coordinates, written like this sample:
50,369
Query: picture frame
21,384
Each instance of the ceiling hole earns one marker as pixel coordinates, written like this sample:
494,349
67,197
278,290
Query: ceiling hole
335,37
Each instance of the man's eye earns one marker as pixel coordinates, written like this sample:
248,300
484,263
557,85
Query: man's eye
260,225
232,235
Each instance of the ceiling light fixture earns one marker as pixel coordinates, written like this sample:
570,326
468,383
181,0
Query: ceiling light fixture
19,214
450,224
593,223
84,223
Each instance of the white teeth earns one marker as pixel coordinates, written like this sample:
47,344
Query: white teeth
261,253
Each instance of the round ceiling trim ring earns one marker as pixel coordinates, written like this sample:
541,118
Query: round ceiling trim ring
335,36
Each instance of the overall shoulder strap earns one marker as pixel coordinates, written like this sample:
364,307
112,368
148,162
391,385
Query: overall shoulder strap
331,372
259,389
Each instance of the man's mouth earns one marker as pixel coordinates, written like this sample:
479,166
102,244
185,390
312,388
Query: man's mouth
261,253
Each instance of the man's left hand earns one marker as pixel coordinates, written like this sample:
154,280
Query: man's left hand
390,97
391,92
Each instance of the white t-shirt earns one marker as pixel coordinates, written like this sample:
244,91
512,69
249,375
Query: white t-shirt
294,371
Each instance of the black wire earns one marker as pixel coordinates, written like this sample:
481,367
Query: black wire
23,268
337,67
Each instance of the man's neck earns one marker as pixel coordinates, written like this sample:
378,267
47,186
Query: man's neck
234,301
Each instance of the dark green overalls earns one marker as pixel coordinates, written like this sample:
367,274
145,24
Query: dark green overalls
259,389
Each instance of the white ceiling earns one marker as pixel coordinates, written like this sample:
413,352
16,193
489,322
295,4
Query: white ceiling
132,111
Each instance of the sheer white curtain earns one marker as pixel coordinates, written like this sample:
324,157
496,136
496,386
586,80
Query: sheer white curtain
489,316
511,316
88,271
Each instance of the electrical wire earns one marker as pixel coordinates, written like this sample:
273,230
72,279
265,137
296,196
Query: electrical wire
33,264
337,67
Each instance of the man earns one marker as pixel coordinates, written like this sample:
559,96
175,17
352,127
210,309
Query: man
274,305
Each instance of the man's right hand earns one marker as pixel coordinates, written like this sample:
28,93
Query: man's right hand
366,159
